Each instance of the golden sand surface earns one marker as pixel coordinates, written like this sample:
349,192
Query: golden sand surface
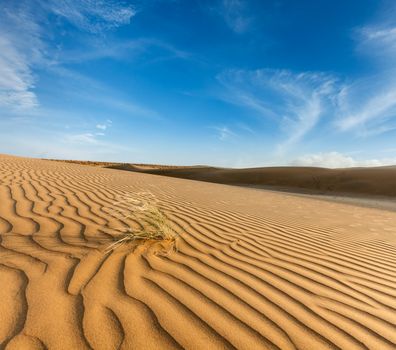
250,269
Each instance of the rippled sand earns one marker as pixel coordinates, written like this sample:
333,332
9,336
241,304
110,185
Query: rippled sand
251,269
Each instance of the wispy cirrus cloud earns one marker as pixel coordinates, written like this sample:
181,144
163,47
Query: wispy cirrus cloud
21,47
297,103
83,138
377,39
125,50
89,137
16,78
235,14
367,106
294,101
23,40
224,132
382,38
92,15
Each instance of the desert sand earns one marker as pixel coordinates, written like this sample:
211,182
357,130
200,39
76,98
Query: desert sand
374,181
250,269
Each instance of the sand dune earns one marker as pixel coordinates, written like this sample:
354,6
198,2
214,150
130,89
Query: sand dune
377,181
252,269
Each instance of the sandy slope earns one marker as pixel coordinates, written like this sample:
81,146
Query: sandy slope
376,181
253,270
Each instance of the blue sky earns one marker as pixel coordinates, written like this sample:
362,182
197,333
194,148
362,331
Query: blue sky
223,82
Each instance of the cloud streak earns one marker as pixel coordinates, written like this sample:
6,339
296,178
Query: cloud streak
298,102
92,15
235,15
295,101
368,105
21,48
23,38
224,132
81,138
125,50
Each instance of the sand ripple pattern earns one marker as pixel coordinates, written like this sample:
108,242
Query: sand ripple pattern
252,270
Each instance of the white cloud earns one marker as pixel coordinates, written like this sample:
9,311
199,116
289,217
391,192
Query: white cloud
92,15
103,126
367,106
339,160
380,36
224,132
89,137
20,48
99,47
295,101
84,138
234,14
378,41
23,35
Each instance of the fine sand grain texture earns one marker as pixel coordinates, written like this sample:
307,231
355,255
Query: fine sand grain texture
250,269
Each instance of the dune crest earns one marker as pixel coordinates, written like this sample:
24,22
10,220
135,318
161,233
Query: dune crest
252,269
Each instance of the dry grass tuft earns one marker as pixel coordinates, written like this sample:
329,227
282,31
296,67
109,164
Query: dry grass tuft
143,209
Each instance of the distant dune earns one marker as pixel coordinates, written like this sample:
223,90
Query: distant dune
249,270
379,181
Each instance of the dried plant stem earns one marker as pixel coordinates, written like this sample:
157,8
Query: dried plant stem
155,223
